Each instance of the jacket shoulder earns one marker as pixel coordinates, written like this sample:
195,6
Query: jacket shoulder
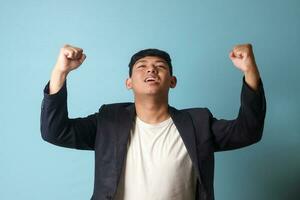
196,114
197,111
113,110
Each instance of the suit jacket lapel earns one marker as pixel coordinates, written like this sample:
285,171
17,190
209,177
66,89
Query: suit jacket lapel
185,127
125,120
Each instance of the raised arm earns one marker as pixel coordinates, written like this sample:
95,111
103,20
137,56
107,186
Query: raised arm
56,127
247,128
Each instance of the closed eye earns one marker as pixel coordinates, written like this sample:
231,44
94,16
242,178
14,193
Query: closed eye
161,66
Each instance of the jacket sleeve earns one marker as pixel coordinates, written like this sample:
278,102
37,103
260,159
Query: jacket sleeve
247,128
58,129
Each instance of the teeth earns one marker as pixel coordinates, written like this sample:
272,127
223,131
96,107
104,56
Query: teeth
150,79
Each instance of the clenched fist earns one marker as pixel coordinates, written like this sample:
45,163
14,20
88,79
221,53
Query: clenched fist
69,58
242,57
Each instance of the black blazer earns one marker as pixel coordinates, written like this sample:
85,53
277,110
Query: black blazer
107,131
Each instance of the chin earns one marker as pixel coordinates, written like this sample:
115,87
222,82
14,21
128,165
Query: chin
151,92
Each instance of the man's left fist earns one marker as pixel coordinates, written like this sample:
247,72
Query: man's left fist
243,58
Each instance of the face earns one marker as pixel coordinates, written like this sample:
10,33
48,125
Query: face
151,76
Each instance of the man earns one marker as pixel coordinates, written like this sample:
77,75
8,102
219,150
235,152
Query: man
148,149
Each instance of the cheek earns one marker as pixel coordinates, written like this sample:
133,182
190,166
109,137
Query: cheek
138,76
136,81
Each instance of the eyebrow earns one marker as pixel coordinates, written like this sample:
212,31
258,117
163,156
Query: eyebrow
162,61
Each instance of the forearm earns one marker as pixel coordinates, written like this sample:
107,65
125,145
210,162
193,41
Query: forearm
57,80
252,78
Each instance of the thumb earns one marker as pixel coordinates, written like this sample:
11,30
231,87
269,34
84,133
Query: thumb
67,53
232,56
236,55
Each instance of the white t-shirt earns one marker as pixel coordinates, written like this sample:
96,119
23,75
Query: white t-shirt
157,166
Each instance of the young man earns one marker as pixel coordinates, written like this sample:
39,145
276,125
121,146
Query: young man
148,149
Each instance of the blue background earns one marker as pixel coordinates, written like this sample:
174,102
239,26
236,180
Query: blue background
198,35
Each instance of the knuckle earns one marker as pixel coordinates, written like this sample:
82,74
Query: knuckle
249,45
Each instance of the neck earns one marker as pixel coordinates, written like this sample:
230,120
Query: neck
152,110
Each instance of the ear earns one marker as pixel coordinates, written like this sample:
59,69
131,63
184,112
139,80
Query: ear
128,83
173,82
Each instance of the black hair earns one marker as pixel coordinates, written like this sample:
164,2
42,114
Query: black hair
150,52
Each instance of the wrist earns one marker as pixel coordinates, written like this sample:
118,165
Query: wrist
58,72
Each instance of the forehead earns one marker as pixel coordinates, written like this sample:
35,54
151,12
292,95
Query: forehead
147,59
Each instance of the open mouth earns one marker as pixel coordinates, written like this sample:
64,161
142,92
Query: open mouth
150,79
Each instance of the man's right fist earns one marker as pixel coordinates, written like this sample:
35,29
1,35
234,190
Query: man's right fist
69,58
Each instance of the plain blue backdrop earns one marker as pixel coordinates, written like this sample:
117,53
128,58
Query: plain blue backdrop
198,34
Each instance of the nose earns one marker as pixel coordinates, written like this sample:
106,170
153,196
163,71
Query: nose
152,69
